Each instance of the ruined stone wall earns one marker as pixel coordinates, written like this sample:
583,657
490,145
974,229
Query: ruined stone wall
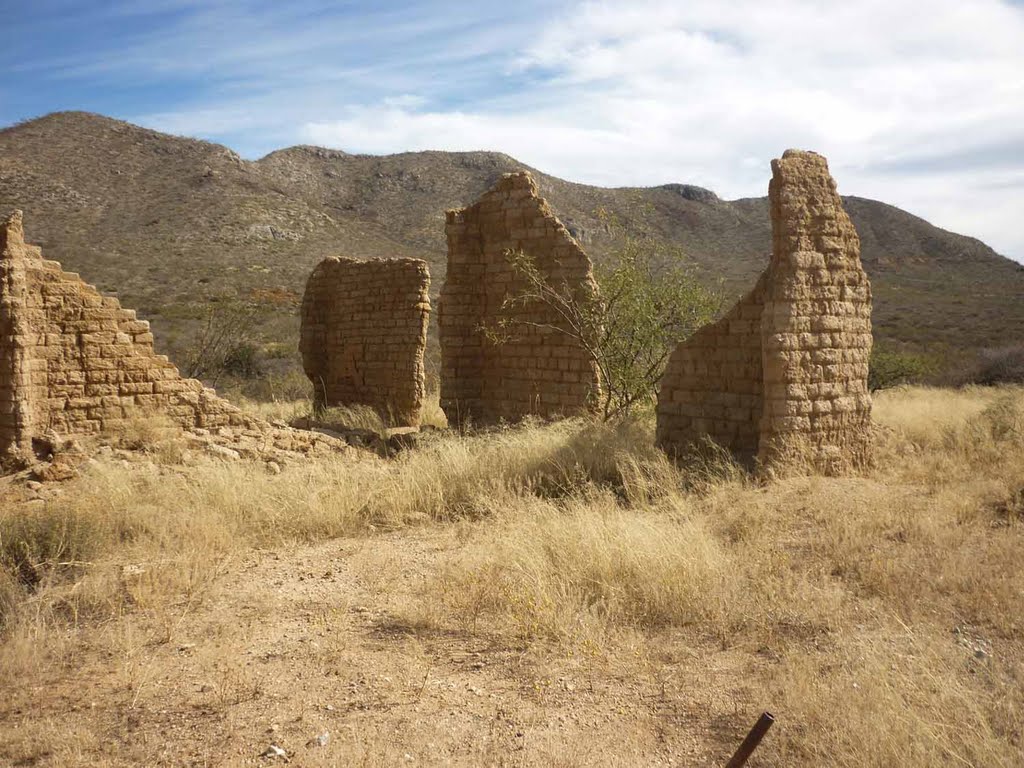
533,370
712,386
73,362
364,329
816,326
788,366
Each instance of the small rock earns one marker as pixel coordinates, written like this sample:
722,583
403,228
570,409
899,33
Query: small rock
273,468
274,751
33,485
319,741
223,452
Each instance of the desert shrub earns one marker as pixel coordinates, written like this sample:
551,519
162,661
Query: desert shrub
891,368
11,595
33,544
647,302
226,342
243,360
1004,365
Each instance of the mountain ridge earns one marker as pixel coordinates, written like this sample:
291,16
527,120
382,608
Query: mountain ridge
170,223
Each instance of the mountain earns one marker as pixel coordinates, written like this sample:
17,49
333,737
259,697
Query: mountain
169,224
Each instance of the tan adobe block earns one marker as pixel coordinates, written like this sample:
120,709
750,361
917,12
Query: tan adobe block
804,331
363,334
532,372
73,361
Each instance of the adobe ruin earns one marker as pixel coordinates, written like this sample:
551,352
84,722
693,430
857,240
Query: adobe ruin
787,366
364,329
537,370
75,363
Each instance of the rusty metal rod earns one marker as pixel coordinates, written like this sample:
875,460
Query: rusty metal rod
753,739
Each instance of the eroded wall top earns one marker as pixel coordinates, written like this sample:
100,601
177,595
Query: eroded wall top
74,362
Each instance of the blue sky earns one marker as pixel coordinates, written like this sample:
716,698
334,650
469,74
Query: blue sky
920,104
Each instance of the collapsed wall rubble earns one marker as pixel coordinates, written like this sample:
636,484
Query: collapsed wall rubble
537,369
788,365
75,363
364,329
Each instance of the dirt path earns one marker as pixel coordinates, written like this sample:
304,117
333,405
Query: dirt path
293,644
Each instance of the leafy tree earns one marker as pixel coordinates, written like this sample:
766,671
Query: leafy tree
647,301
889,368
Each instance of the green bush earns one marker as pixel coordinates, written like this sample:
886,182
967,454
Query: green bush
890,368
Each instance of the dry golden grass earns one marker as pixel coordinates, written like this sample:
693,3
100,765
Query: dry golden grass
891,604
338,417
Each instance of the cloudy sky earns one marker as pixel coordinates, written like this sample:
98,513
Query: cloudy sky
920,104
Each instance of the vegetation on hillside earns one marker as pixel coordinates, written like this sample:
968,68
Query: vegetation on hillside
167,223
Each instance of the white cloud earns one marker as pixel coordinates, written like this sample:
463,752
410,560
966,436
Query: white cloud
920,104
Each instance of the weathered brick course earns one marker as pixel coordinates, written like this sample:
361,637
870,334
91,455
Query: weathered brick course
364,329
788,365
73,362
537,370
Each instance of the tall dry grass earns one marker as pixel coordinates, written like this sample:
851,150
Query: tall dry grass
875,592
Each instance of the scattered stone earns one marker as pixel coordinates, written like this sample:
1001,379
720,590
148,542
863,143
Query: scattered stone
275,752
273,468
320,740
223,452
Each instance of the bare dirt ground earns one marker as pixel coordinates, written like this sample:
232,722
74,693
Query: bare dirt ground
292,644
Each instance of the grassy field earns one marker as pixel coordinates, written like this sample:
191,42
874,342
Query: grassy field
551,594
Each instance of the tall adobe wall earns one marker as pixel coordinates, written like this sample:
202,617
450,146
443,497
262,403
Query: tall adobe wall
539,370
364,329
788,365
816,326
74,362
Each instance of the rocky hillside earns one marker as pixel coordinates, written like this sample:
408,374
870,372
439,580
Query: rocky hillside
169,223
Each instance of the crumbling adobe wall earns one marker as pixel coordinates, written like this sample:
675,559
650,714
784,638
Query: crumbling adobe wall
713,384
364,329
788,366
535,370
73,362
816,326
